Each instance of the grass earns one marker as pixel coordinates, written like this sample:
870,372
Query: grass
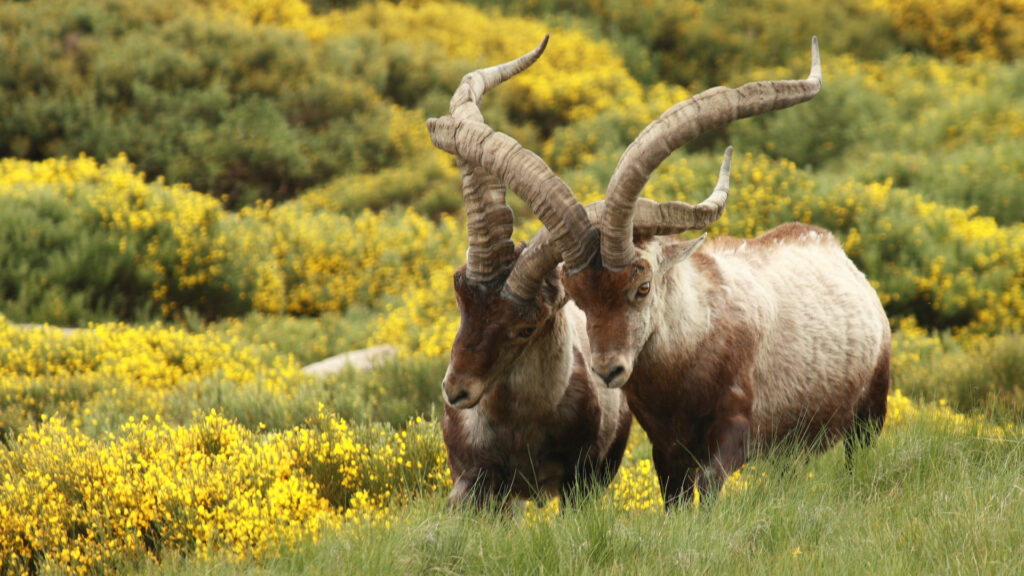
926,498
975,375
392,392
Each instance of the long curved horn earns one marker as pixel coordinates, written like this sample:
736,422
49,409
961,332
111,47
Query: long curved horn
550,198
489,219
650,219
678,125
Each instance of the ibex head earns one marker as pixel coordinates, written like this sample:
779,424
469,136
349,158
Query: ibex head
620,285
618,303
494,331
506,297
612,279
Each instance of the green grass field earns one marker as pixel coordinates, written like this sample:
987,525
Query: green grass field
926,499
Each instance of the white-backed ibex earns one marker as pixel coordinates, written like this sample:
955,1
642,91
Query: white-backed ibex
744,342
524,414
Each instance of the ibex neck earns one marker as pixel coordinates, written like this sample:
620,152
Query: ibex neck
538,379
685,312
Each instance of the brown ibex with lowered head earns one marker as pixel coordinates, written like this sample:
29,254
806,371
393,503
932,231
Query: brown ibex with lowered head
524,414
744,342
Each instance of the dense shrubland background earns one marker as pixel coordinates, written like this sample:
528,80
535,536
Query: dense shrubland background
221,191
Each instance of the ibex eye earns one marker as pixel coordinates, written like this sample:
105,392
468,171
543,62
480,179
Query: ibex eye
643,290
526,332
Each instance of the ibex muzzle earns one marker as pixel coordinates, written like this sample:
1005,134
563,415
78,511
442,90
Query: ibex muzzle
461,391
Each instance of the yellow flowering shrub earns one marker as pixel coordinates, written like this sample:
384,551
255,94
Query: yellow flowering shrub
636,485
75,504
575,79
971,372
289,258
90,375
947,266
172,231
294,14
82,505
374,468
608,132
423,320
959,28
431,185
309,262
903,411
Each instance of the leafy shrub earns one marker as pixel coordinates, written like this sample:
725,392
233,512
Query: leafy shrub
238,111
577,78
949,132
429,184
101,377
971,374
697,44
75,504
309,263
977,175
54,267
610,131
958,29
97,242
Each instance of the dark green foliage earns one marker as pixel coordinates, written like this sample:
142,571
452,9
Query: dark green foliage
63,262
698,44
423,184
839,119
982,175
57,268
242,113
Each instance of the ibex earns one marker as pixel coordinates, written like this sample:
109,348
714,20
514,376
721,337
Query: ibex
745,342
524,414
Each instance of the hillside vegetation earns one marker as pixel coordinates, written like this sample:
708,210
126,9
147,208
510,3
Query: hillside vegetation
216,192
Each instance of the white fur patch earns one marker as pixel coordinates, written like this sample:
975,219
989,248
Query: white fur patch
819,322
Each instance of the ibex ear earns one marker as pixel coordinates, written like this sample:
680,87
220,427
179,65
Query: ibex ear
676,252
552,291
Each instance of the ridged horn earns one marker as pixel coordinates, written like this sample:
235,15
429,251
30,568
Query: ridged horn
528,176
680,124
650,219
489,219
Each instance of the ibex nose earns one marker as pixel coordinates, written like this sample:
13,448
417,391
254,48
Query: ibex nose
454,398
609,375
460,392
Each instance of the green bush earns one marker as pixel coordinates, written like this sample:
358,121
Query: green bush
56,267
700,44
972,374
427,184
241,113
88,242
836,123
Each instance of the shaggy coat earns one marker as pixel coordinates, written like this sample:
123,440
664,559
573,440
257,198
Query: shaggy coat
524,415
746,341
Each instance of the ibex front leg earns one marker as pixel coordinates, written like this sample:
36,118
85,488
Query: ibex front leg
728,436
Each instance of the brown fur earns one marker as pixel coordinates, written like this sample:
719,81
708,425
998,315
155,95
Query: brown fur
547,436
694,393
